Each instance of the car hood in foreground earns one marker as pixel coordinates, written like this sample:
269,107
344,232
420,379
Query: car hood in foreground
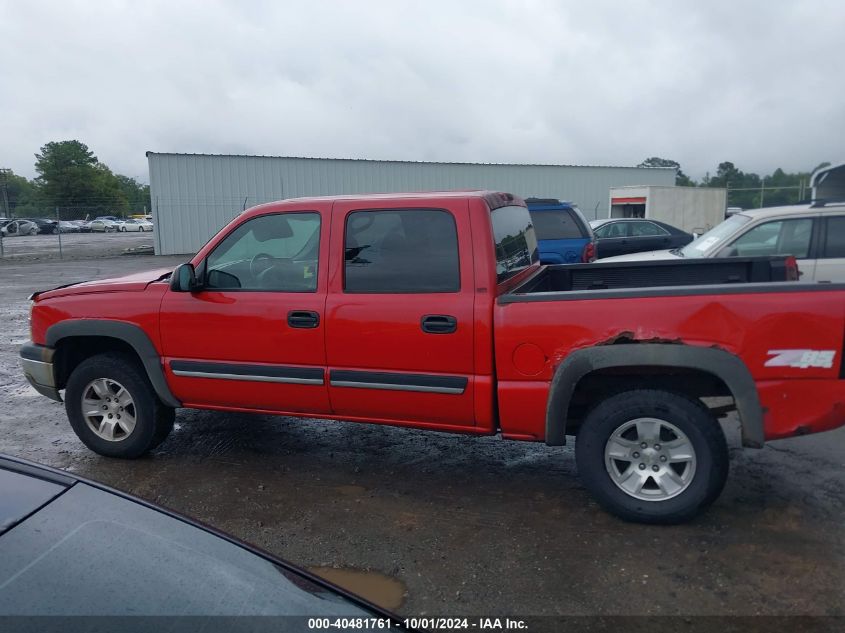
89,552
641,257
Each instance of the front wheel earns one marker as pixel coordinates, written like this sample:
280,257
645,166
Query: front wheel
33,231
114,409
652,456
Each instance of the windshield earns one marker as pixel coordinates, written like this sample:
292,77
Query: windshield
714,237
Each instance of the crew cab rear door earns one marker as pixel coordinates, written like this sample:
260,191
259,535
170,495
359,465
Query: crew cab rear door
399,316
252,337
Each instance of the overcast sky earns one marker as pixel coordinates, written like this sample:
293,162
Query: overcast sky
544,81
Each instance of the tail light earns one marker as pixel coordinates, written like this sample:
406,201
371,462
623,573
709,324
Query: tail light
589,253
791,265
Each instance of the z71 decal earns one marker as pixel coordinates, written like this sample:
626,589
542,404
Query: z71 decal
801,358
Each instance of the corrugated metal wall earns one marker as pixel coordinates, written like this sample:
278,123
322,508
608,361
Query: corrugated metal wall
194,195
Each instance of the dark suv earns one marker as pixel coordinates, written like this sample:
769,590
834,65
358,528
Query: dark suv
563,235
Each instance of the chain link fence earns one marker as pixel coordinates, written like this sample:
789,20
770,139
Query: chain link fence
72,232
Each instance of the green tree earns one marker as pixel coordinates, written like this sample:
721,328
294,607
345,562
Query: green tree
750,190
137,195
20,193
70,177
681,179
67,173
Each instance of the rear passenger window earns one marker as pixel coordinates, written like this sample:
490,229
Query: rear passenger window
402,251
834,243
556,225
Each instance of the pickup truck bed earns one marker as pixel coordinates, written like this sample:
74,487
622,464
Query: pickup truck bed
432,311
648,274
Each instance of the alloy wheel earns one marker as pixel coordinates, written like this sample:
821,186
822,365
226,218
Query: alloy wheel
650,459
108,409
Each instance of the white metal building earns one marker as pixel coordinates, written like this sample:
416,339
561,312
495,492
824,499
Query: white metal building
692,209
194,195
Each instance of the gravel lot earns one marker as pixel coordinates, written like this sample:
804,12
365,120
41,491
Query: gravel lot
430,523
74,246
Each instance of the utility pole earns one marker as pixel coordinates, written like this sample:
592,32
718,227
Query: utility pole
4,179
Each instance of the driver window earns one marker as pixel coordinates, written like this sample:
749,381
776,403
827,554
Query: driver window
781,237
277,252
615,230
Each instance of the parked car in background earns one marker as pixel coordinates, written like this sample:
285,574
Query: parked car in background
113,218
11,228
619,236
45,226
66,543
102,225
563,234
66,226
813,233
135,225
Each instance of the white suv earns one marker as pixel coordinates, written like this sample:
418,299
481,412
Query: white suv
813,233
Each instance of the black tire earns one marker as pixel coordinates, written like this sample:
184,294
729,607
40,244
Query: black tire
691,417
153,419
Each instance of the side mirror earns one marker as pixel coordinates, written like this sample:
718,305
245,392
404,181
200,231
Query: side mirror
184,279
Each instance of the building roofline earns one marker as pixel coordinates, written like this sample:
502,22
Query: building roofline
407,195
668,187
414,162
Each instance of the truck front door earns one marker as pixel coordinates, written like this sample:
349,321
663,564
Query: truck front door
253,336
399,333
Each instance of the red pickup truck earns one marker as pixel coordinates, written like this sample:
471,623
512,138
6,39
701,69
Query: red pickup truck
432,311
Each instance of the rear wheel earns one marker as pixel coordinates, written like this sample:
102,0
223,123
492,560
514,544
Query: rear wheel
652,456
33,231
114,409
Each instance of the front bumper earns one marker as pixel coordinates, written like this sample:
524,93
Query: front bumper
37,364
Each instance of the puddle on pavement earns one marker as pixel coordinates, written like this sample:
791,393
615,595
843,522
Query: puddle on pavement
374,586
351,490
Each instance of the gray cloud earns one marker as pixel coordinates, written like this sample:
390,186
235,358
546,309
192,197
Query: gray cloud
600,82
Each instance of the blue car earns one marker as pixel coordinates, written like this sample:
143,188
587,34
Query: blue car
564,236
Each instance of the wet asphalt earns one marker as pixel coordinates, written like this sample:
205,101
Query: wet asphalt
438,524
